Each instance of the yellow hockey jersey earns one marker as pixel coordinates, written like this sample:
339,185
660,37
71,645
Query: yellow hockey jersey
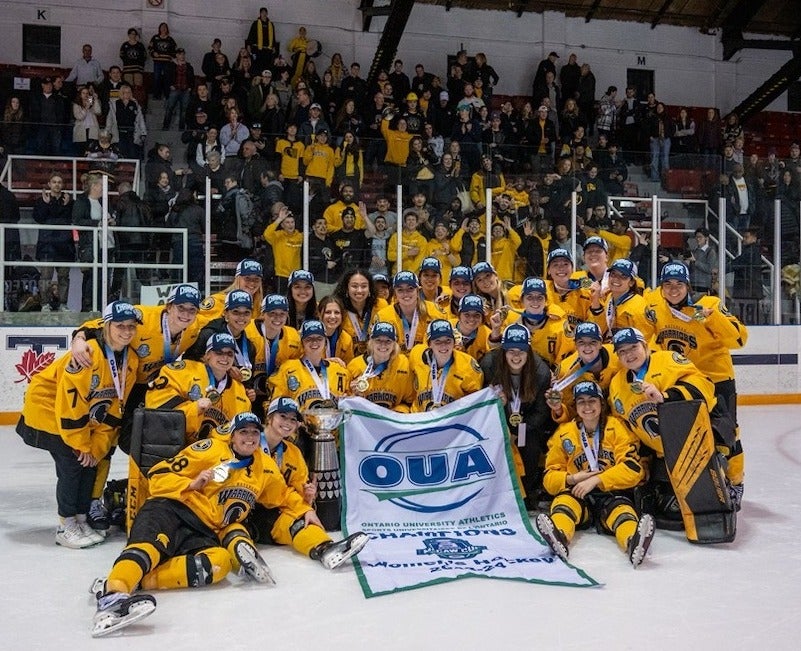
571,364
618,457
391,314
220,504
392,388
181,384
293,380
464,377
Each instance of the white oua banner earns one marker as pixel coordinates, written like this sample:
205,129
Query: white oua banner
436,493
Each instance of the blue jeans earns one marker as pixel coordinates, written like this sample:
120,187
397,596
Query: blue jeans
660,152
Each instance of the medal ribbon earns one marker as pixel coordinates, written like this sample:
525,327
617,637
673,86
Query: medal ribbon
590,446
438,383
320,382
242,356
569,379
270,353
213,384
119,382
168,350
331,343
361,333
410,330
514,403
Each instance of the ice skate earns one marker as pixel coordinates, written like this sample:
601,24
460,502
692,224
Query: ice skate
252,563
118,610
641,540
98,517
332,554
554,537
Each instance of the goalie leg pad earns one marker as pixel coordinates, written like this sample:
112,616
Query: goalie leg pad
696,472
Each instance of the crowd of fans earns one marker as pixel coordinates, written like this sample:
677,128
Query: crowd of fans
266,123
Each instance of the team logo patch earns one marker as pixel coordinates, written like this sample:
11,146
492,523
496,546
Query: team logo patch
195,393
619,406
474,365
94,382
724,310
650,314
178,365
450,548
568,328
138,314
224,429
208,303
680,359
202,444
73,367
143,351
567,446
292,383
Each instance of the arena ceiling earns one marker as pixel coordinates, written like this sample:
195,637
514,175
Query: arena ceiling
765,17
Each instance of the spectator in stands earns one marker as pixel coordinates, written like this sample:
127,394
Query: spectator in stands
702,259
103,153
200,102
349,162
12,129
311,127
88,211
789,193
162,49
158,199
710,138
337,69
770,172
606,122
540,136
659,127
324,257
261,40
480,69
353,85
586,96
740,200
214,170
249,167
546,65
684,141
208,64
126,122
131,211
87,69
48,113
54,208
383,210
421,79
220,71
258,91
489,177
569,78
352,242
160,160
732,128
179,79
747,289
186,213
613,171
133,55
629,120
85,110
319,159
244,78
399,79
233,134
570,118
348,119
109,90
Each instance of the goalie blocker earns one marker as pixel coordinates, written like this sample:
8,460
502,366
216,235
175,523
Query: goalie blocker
697,472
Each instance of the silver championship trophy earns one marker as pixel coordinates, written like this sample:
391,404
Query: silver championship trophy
322,425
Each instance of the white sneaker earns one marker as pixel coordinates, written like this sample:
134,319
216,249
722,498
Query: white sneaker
64,308
95,536
46,308
71,535
118,610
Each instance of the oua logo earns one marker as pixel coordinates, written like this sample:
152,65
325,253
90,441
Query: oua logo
427,470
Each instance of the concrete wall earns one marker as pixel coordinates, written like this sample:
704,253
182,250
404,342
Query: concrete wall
687,63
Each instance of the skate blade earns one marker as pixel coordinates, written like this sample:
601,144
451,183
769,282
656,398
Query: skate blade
548,531
356,545
253,570
646,535
136,612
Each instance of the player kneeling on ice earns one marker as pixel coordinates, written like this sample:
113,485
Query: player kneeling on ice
591,467
189,531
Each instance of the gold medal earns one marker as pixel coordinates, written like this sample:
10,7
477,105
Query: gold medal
636,387
246,373
515,419
220,473
585,282
698,315
504,312
213,395
458,339
362,384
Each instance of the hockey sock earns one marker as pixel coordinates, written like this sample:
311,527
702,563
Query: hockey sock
622,521
103,467
131,566
190,570
306,539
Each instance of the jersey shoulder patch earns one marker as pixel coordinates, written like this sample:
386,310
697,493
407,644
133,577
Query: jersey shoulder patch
177,365
650,314
475,365
680,359
207,303
201,445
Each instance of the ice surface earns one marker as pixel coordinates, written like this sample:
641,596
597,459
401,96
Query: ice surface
739,596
